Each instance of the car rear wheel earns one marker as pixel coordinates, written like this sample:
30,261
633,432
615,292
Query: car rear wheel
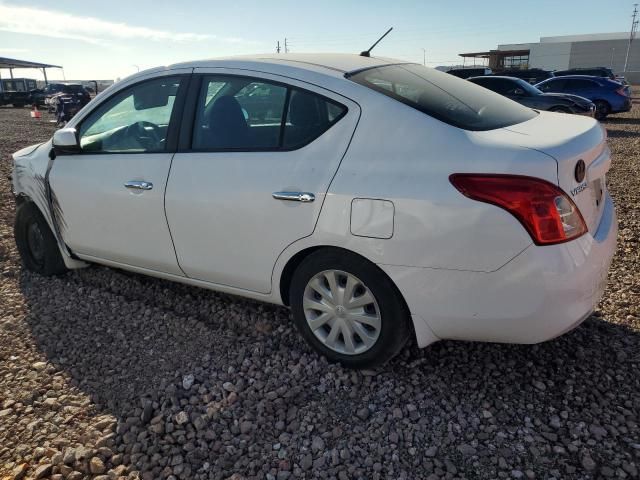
602,109
36,244
347,309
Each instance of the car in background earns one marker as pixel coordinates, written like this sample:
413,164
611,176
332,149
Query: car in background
608,95
469,72
47,95
531,75
384,201
526,94
603,72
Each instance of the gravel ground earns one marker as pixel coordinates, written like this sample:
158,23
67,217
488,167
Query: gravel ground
105,374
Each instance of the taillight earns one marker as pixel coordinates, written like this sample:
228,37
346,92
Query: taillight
622,91
544,210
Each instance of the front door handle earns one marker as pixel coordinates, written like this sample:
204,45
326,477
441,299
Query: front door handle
139,185
305,197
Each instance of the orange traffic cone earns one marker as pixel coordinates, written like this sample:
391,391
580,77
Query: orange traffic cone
35,113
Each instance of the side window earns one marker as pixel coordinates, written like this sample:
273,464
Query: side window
240,113
500,86
309,116
577,84
133,120
553,86
511,88
484,84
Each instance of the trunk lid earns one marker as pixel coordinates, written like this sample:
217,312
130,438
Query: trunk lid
570,139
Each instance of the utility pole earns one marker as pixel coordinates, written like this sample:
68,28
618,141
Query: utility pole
286,47
278,47
613,53
632,34
424,57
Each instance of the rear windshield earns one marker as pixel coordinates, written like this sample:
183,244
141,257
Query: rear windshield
450,99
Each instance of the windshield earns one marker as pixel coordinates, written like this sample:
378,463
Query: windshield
449,99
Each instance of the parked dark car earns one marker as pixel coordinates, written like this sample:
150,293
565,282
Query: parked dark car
45,95
531,75
603,72
608,96
526,94
469,72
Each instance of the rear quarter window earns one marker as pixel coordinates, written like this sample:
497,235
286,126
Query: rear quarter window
445,97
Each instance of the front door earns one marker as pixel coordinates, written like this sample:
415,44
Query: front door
111,194
253,174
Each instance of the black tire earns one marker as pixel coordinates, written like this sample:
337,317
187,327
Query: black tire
36,243
602,109
395,319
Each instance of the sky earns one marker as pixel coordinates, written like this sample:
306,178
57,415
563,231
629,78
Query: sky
114,38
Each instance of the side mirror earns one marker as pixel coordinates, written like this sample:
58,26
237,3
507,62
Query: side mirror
65,140
518,92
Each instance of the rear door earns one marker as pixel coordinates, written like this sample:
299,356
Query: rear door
581,87
257,154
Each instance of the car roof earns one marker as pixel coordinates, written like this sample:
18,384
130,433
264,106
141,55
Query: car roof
469,68
524,70
336,64
505,77
577,77
583,68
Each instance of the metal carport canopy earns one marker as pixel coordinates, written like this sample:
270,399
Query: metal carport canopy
12,63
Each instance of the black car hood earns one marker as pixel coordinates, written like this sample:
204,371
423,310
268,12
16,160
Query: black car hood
572,98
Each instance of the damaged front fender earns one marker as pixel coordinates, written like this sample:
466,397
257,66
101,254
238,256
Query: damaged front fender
30,177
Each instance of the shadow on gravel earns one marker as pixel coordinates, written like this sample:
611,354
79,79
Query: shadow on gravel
622,133
125,340
622,121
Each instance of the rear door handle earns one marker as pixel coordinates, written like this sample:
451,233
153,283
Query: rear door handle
139,185
305,197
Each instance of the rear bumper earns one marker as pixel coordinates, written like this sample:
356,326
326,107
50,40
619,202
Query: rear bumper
540,294
623,106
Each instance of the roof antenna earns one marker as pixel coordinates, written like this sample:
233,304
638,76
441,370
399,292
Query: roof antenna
367,53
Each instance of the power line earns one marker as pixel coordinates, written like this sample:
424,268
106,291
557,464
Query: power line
632,34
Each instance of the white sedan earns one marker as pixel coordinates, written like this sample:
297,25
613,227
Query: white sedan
380,200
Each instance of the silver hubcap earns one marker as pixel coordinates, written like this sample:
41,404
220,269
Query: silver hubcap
342,312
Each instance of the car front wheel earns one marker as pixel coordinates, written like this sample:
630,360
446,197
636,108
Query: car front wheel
602,109
347,309
37,246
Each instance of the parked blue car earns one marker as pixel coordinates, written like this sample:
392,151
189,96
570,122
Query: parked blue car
608,95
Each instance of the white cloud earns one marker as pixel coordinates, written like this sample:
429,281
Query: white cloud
50,23
13,50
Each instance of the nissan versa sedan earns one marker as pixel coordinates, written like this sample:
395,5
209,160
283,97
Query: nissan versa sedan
381,200
526,94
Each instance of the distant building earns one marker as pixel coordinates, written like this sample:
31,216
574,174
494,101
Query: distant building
569,51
